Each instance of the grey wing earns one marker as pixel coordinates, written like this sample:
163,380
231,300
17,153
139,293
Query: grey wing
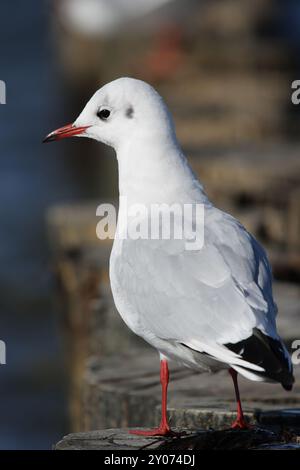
205,299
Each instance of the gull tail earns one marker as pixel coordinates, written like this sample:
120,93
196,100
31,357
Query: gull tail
268,353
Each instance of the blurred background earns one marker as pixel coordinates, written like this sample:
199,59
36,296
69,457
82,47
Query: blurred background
225,68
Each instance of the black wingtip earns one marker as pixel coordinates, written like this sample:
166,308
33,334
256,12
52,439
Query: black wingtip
269,353
288,386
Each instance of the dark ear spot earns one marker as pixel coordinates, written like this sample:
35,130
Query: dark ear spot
129,112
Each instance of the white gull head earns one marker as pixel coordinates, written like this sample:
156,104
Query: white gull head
126,110
130,116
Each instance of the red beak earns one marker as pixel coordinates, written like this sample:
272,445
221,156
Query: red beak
67,131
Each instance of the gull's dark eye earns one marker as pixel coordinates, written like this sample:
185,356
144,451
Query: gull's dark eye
103,114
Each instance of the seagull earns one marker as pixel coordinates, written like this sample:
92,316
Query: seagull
207,308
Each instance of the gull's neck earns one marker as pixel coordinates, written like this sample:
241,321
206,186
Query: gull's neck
154,170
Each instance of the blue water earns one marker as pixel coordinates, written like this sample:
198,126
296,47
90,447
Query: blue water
32,177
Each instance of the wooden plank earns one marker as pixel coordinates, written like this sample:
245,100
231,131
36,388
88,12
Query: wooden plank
121,439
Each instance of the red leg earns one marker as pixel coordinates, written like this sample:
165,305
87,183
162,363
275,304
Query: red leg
164,428
240,422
